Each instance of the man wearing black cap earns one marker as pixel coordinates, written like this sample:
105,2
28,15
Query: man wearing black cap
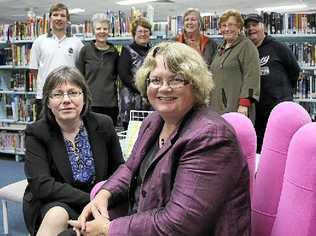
279,72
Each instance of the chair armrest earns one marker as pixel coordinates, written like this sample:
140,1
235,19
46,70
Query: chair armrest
96,189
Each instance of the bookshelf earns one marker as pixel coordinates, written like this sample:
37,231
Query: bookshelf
17,93
18,87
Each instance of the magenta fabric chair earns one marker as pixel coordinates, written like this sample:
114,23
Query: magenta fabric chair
285,119
118,210
96,189
297,208
247,138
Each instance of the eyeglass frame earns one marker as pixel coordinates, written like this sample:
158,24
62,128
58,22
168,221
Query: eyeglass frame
146,31
70,94
228,25
184,82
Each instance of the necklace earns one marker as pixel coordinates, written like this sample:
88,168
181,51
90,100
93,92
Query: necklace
162,141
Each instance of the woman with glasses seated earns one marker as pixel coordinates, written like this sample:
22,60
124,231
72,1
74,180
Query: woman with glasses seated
67,151
132,57
186,174
235,69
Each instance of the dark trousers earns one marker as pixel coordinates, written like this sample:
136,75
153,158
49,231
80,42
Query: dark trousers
110,111
260,126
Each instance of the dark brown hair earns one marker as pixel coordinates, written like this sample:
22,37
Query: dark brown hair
61,75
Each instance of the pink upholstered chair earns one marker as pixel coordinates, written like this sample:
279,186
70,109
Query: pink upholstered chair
96,189
285,119
116,211
297,207
246,136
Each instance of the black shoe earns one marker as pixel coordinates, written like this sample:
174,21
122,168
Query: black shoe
68,232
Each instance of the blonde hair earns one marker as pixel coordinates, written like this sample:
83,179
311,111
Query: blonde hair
183,60
236,14
140,21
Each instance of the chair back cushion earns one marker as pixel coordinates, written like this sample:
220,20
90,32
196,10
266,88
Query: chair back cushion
246,136
285,119
297,207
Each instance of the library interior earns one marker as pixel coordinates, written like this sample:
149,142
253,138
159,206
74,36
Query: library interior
260,59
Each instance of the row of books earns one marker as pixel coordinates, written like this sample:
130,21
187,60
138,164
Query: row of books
18,80
28,30
17,107
21,54
301,23
120,25
305,53
10,141
276,23
306,86
175,25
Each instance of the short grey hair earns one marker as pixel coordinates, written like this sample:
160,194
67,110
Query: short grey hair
100,18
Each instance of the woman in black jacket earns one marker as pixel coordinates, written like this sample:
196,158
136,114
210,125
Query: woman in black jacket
68,151
98,64
131,59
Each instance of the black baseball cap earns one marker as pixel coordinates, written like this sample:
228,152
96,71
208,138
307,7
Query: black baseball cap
253,17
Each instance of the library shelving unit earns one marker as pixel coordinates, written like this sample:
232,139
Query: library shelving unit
17,94
304,48
18,86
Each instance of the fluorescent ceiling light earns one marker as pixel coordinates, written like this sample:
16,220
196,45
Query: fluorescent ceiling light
76,10
282,8
132,2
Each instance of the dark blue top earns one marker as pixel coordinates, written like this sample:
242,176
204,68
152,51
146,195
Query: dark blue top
81,158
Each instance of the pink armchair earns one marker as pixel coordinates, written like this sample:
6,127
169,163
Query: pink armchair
285,119
96,189
297,207
247,138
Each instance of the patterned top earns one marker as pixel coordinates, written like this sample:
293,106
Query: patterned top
81,158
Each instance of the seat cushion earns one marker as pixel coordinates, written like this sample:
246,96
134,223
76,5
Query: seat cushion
13,192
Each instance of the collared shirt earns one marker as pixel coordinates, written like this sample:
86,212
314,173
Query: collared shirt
81,157
48,53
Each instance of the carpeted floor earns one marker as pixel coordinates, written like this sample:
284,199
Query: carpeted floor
12,171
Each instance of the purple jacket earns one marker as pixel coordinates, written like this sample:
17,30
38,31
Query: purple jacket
197,184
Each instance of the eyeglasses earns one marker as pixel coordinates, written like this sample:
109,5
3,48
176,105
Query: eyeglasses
70,94
228,25
174,83
142,31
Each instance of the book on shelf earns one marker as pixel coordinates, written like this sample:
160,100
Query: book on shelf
17,80
17,108
10,141
305,53
4,32
21,54
6,56
306,87
290,23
